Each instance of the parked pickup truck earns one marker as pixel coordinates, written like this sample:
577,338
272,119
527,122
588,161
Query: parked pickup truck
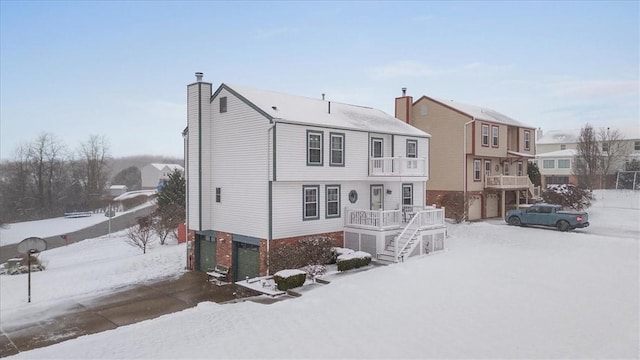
548,215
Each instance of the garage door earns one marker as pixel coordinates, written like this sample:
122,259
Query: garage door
247,261
206,253
492,205
475,207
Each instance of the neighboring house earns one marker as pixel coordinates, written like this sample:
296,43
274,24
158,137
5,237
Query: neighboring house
156,174
556,167
476,151
117,190
266,169
553,142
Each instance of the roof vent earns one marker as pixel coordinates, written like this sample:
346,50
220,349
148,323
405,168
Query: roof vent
322,96
199,76
404,91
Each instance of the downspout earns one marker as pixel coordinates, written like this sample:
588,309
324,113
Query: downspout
270,197
464,165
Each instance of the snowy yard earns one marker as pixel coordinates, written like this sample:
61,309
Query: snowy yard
495,292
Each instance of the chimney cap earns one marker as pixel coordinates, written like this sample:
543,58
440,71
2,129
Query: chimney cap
404,91
199,76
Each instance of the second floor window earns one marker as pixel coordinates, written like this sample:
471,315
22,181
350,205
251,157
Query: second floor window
485,135
548,164
520,168
337,150
412,153
495,133
223,104
487,168
636,145
605,147
476,170
563,147
314,148
505,168
527,140
564,164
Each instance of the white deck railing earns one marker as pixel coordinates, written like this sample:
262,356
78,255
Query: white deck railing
398,166
393,219
508,182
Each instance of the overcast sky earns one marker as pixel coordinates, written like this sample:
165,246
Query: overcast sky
120,69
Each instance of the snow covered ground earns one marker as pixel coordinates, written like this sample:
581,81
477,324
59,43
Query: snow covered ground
14,233
496,292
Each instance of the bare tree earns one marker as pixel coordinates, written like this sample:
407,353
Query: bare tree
613,152
94,157
47,170
587,165
141,235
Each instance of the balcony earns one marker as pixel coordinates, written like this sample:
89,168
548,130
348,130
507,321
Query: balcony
398,166
381,220
508,182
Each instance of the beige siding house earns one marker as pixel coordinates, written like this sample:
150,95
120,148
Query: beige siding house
476,151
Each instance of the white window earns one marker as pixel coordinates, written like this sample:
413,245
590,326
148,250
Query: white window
412,152
476,170
548,164
223,104
527,140
563,147
314,148
636,145
564,163
495,133
505,168
333,201
407,194
337,150
485,135
520,168
311,206
605,147
487,168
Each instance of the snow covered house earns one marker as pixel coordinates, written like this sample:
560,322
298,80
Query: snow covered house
155,174
265,169
481,153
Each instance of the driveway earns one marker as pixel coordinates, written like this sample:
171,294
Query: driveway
123,307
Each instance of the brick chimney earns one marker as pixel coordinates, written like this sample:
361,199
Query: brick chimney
403,107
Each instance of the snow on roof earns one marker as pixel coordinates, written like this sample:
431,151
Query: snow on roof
118,187
170,166
559,153
308,111
571,136
133,194
482,113
520,154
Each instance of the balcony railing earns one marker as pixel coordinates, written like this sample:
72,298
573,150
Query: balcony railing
398,166
507,182
393,219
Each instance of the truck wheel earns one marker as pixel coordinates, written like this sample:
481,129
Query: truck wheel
562,225
515,221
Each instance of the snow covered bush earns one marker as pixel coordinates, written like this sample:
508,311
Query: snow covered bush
289,279
337,251
568,196
353,260
455,206
312,250
313,271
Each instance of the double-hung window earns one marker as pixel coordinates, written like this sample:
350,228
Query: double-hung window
412,153
548,164
310,201
485,135
520,170
505,168
333,201
337,149
476,170
223,104
487,168
564,163
636,145
495,135
527,140
314,148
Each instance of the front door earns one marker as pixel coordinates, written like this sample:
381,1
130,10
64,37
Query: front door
377,200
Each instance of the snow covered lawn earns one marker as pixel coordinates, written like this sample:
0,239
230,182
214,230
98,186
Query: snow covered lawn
496,292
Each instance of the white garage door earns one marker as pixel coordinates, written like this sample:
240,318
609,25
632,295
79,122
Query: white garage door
475,207
492,205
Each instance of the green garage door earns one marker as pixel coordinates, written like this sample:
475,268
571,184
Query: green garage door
247,261
206,253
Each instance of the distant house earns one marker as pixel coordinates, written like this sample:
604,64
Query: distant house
117,190
266,169
155,174
557,150
476,151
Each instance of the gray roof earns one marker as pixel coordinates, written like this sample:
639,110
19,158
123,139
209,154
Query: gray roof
483,113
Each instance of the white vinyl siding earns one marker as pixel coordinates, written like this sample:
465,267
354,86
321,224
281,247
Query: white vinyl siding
245,182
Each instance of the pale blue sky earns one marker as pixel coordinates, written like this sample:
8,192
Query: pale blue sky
120,69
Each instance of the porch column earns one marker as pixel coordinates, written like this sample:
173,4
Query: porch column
517,199
504,212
